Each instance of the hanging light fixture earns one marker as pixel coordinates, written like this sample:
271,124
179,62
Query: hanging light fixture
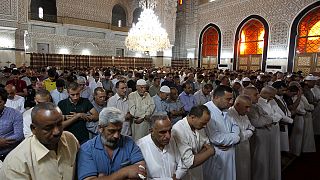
147,34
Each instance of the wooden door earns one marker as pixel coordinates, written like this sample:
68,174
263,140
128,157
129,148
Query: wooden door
250,62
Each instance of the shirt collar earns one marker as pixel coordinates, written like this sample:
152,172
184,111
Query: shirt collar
118,97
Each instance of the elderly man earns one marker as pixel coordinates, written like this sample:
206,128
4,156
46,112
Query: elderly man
238,112
99,102
186,97
110,154
175,107
267,103
160,150
141,106
48,154
120,101
193,144
14,101
224,134
85,92
203,95
77,111
260,142
41,96
10,126
160,100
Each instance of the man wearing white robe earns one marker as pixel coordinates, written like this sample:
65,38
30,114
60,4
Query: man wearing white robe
193,144
265,101
260,141
238,112
160,150
223,133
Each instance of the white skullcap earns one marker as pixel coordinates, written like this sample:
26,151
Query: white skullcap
246,79
165,89
310,78
81,80
141,82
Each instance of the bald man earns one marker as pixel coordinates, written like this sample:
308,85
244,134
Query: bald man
239,112
14,101
266,101
260,141
48,148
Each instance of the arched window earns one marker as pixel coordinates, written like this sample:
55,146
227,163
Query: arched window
251,38
119,17
210,39
210,42
40,12
308,40
136,15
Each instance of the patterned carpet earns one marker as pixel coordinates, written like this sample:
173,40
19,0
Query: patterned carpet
305,167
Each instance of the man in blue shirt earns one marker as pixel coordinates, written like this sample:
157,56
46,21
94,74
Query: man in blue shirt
110,154
186,97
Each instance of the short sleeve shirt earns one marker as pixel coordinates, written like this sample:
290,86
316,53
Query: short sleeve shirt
93,159
78,129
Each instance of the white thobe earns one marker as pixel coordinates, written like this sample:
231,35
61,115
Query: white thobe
140,106
27,122
222,130
308,144
275,152
122,104
16,103
58,96
284,137
189,143
161,164
315,114
243,159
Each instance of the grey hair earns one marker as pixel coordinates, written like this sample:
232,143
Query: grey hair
110,115
158,116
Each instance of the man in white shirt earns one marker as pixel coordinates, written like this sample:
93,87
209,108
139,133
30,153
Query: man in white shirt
14,101
120,101
203,95
59,93
239,112
160,151
265,101
224,134
94,81
141,107
192,143
41,96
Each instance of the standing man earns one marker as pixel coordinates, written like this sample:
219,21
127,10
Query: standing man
224,134
203,95
99,102
48,154
11,133
77,111
175,107
120,101
160,100
155,87
59,93
186,97
41,96
160,150
141,107
193,144
110,154
50,83
239,112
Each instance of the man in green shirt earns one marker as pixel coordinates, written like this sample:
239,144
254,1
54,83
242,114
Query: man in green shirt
77,111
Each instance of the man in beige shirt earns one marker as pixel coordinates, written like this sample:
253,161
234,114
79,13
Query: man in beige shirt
141,107
50,153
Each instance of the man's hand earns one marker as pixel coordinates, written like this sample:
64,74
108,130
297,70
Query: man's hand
138,120
6,142
209,149
133,171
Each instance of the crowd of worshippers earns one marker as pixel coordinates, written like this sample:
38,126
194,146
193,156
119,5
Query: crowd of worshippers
157,123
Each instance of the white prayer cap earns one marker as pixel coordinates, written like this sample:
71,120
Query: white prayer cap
165,89
246,79
141,82
310,78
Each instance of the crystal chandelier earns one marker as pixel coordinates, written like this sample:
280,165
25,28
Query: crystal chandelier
147,34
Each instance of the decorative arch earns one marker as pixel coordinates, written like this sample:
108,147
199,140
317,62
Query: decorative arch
304,43
251,44
136,15
119,14
209,46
